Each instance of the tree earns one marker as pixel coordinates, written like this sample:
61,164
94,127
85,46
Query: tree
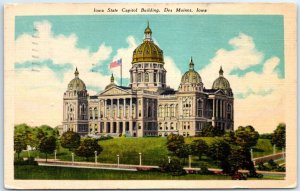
70,140
183,152
175,168
219,150
210,131
48,145
87,148
199,148
246,137
174,142
278,137
19,144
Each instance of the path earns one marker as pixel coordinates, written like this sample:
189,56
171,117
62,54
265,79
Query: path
127,167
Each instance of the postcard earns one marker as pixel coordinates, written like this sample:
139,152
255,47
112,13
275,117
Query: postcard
150,96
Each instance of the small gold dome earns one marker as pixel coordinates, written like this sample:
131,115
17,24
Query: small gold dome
221,82
191,76
76,84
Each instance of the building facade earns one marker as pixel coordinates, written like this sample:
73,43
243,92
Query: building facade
148,107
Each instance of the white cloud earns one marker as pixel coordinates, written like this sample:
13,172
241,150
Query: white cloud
263,106
40,94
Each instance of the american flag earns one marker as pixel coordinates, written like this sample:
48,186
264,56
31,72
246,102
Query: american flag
115,63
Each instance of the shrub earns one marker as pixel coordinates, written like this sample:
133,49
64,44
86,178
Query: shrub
29,161
262,167
204,170
272,164
281,169
238,176
174,167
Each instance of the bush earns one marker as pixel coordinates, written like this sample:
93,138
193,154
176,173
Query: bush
102,138
29,161
174,167
281,169
238,176
262,167
204,170
255,175
272,164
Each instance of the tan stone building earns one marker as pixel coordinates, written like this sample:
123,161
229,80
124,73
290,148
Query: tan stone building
148,107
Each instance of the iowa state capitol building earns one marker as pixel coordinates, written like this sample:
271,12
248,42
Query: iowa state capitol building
148,107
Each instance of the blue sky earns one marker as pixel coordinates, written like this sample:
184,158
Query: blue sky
250,48
179,36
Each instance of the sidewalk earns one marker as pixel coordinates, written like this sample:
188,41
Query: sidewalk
128,167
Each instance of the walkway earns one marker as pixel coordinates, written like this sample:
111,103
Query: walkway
127,167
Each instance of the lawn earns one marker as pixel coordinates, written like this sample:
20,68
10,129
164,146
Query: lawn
63,173
153,151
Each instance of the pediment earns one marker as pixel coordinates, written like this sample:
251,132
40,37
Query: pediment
220,92
115,91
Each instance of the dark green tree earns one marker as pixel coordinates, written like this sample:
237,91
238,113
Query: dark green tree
174,142
246,137
87,148
199,148
210,131
47,145
175,168
278,137
19,144
183,152
70,140
219,150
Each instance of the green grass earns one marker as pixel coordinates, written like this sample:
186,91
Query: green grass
153,150
63,173
263,147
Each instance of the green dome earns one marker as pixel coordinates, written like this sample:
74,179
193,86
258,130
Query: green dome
221,82
76,84
191,76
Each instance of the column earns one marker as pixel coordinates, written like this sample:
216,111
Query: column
130,108
105,108
124,129
224,109
104,128
214,108
221,109
117,127
217,110
124,104
118,104
130,128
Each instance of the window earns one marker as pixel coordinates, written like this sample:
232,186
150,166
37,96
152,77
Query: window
154,76
146,77
139,77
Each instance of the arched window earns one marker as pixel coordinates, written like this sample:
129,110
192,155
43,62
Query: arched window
154,77
146,77
96,112
139,77
200,108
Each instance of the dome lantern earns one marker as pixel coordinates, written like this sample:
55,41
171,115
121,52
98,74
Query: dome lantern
112,78
76,73
148,33
221,71
191,65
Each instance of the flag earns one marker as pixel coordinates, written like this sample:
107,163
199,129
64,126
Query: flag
115,63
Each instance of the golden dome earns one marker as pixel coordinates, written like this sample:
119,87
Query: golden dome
191,76
221,82
76,84
148,51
